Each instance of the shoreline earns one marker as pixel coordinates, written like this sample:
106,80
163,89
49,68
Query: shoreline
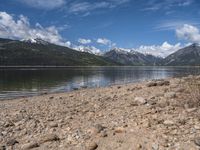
2,67
152,114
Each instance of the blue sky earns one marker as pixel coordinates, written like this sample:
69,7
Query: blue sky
156,26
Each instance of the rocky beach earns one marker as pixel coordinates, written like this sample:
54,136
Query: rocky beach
151,115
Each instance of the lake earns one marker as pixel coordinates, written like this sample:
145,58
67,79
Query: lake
17,82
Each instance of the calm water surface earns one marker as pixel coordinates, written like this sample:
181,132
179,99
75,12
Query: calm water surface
17,82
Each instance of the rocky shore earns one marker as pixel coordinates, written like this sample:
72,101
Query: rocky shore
154,115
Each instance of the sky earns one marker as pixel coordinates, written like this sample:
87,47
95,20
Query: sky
159,27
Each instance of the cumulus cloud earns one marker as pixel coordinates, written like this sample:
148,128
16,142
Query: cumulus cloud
84,41
159,50
105,41
189,33
21,29
78,7
43,4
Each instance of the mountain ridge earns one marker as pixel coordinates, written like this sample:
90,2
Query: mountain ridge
131,57
37,52
19,53
189,55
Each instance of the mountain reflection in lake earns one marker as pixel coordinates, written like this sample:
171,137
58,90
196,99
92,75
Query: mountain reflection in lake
16,82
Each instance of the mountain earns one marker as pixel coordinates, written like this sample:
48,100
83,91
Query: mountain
131,57
39,52
188,56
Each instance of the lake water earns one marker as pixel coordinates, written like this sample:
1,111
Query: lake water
17,82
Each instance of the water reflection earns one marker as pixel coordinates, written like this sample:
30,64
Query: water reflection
23,81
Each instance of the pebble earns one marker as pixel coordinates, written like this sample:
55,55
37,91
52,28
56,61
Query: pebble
53,124
162,83
29,146
170,95
197,127
92,146
140,100
119,130
168,122
12,142
155,146
150,84
97,129
49,137
191,109
2,147
197,141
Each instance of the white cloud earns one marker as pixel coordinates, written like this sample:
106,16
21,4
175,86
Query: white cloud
106,42
21,29
174,24
84,41
82,7
153,5
78,7
44,4
189,33
103,41
159,50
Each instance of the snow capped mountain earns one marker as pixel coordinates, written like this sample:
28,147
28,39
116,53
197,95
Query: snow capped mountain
121,50
131,57
35,41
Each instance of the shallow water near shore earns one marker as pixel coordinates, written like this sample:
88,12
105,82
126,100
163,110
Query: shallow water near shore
18,82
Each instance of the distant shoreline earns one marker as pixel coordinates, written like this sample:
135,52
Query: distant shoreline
83,66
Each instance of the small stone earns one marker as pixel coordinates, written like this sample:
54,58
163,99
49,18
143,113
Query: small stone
147,124
139,146
150,84
170,95
119,130
180,90
51,97
103,134
155,146
197,127
9,124
2,147
49,137
97,129
168,122
53,124
118,87
92,146
12,142
197,141
29,146
140,100
191,109
162,83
